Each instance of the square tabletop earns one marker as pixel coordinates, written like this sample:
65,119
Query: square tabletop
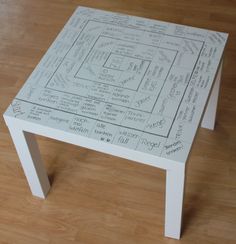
122,80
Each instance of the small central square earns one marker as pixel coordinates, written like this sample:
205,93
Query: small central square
109,62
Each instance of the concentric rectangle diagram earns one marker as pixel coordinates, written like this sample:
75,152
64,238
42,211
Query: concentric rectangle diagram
145,81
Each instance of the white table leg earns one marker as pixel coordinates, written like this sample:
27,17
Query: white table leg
208,120
174,202
28,152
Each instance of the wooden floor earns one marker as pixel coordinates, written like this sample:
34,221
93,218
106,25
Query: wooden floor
96,198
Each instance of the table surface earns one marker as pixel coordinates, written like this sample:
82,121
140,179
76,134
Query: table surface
137,83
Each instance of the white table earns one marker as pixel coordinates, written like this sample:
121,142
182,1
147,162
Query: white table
123,85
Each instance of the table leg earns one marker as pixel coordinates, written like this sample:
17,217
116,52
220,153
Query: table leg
28,152
175,179
208,120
